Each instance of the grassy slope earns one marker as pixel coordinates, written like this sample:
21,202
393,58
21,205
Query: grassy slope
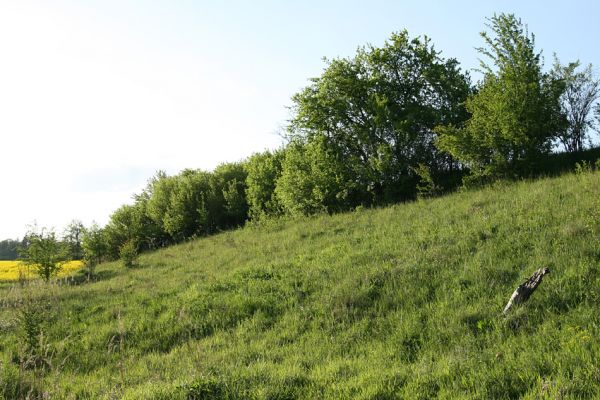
401,302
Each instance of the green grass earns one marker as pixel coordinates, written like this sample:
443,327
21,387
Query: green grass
397,303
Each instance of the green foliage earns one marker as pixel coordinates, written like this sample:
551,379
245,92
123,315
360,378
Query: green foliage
43,252
9,249
426,186
229,181
174,208
121,227
195,203
32,318
581,90
396,302
128,253
95,247
264,169
313,179
72,237
515,113
179,204
376,112
132,221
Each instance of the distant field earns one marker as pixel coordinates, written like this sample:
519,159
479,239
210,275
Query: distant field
9,270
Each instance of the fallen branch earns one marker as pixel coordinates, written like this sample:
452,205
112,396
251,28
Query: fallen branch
526,289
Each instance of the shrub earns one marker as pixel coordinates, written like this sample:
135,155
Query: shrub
44,253
129,254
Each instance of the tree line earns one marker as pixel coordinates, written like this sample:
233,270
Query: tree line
385,125
70,241
9,249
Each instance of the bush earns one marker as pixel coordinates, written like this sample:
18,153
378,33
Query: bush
95,248
128,254
44,253
264,169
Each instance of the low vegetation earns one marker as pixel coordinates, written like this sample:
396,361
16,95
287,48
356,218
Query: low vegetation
403,302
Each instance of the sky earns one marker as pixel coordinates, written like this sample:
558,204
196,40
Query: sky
96,96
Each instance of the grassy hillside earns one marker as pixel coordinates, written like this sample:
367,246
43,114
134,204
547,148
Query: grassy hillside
397,303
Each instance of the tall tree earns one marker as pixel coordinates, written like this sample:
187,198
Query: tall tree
377,111
581,90
73,236
515,113
94,246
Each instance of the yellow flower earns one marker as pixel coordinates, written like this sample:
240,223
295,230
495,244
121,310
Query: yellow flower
10,270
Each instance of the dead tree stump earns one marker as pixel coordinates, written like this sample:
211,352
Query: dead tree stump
526,289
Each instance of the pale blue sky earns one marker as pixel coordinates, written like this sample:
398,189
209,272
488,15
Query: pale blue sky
98,95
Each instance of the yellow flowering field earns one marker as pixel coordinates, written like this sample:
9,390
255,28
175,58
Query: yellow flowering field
9,270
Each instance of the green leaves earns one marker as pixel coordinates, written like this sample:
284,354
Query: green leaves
263,171
580,90
377,110
515,112
95,247
313,180
44,253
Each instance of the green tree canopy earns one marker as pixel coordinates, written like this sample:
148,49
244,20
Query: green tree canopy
377,111
72,236
179,204
515,112
9,249
313,179
229,187
581,90
264,169
95,247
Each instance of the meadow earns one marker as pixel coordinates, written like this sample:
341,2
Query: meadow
13,270
403,302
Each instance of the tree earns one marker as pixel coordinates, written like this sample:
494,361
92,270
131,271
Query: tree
9,249
135,221
124,224
229,189
128,253
72,236
314,180
94,246
581,90
180,204
43,252
515,112
264,169
377,112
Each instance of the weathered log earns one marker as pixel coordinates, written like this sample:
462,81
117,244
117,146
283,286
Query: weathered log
526,289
